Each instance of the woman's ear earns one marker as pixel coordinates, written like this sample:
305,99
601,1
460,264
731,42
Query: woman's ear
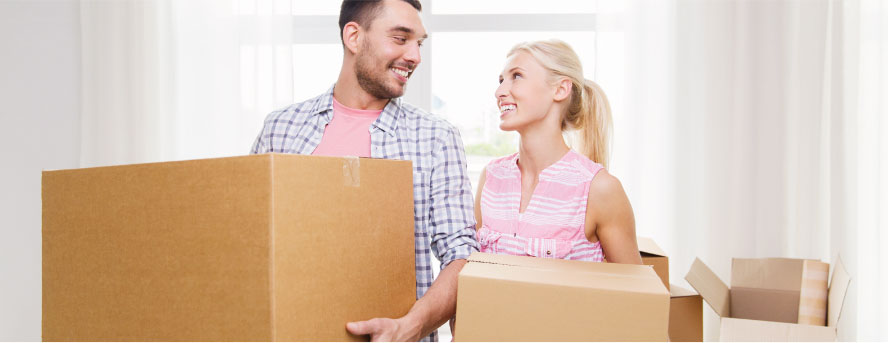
351,36
563,89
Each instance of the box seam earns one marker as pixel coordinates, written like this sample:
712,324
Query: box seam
271,252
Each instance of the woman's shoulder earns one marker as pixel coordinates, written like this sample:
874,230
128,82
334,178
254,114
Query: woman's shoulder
583,162
575,168
502,167
605,185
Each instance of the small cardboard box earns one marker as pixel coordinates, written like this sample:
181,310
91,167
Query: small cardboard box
256,248
774,299
516,298
685,315
652,255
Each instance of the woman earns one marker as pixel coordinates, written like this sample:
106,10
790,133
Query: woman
548,200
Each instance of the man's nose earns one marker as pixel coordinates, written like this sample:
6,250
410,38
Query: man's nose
413,55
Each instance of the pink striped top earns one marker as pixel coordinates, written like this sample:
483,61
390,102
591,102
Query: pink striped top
553,224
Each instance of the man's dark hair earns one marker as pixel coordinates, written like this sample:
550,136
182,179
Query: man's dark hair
364,12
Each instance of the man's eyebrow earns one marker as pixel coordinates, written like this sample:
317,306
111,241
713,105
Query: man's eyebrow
406,30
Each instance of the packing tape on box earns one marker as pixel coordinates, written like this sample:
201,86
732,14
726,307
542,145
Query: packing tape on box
351,171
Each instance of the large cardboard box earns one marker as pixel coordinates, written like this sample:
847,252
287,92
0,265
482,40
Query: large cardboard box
652,255
685,315
774,299
516,298
256,248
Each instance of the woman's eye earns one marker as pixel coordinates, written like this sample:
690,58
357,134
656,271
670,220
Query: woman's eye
517,76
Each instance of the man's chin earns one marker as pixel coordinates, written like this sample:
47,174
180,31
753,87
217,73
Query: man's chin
397,91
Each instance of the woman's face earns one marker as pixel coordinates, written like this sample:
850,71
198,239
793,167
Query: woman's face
525,94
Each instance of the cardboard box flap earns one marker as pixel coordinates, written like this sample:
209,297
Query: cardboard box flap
710,287
647,246
767,273
838,288
747,330
558,264
610,276
676,291
490,258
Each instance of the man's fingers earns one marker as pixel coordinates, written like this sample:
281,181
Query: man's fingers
366,327
356,328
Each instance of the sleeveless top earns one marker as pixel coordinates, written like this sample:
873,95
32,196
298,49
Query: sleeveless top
553,225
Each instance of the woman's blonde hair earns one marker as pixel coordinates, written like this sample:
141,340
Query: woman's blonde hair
589,113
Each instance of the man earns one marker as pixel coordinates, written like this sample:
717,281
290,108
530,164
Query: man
362,115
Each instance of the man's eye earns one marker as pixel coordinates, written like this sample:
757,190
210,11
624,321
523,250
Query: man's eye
401,40
501,80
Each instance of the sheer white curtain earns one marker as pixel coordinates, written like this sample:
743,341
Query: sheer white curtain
754,129
860,168
168,80
128,87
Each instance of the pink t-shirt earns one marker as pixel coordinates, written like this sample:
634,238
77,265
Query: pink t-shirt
348,134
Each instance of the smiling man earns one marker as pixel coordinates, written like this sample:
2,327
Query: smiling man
363,115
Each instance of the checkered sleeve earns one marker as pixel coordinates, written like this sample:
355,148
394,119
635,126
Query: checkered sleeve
260,146
452,217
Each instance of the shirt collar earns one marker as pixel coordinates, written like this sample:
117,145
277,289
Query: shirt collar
387,121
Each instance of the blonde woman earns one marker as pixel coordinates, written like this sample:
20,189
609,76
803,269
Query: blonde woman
549,200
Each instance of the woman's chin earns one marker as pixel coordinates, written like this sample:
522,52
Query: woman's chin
506,127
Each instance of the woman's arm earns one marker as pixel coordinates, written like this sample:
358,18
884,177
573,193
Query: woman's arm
609,219
478,198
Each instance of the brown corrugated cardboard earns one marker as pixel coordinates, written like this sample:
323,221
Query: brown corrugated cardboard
256,248
747,330
514,298
719,296
812,301
770,289
765,304
652,255
711,288
685,315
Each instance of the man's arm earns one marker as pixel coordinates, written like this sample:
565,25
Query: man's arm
430,312
452,231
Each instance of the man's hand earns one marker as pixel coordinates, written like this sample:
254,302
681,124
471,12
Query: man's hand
386,329
427,314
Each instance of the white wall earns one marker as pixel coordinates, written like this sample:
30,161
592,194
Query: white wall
39,129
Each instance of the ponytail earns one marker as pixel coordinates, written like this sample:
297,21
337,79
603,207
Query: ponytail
594,123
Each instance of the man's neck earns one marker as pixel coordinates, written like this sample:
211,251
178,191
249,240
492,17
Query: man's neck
350,94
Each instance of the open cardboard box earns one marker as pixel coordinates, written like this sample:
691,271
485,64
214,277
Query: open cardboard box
256,248
685,306
685,315
516,298
653,255
790,292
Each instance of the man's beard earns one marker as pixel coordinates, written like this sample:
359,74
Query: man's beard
374,84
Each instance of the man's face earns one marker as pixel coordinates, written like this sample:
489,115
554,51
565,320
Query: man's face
389,52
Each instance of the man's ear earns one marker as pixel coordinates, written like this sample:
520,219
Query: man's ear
563,89
351,36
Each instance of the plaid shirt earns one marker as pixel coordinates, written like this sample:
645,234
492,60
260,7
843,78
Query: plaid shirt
444,220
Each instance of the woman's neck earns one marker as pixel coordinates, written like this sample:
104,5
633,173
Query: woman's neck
539,149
